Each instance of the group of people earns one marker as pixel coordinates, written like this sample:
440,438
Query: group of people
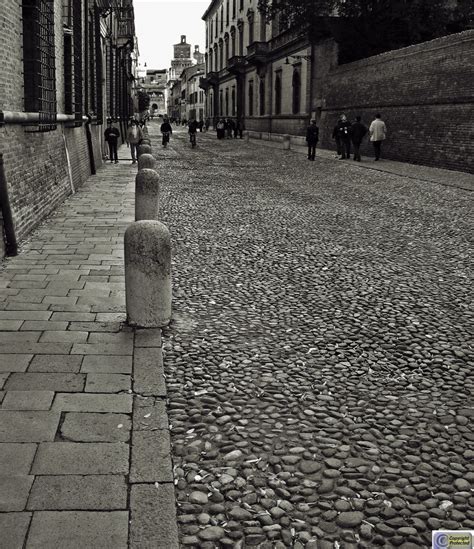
133,136
346,134
229,128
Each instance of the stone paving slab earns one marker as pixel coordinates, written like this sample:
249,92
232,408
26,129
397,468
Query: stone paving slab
151,457
13,529
93,427
148,373
71,458
15,363
14,492
153,517
78,530
27,400
56,363
44,381
28,426
71,492
92,402
107,364
16,459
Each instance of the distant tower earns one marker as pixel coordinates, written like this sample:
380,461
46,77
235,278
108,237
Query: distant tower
182,57
198,56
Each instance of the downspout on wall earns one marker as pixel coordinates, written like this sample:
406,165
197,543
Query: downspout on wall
11,245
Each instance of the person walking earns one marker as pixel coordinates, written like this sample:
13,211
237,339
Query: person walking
358,132
134,136
239,128
378,133
312,138
111,135
166,131
220,127
192,130
207,124
343,132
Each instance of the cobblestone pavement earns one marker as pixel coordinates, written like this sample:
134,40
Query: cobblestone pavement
319,364
84,444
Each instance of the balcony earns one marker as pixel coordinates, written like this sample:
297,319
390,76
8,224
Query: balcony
236,64
257,53
211,79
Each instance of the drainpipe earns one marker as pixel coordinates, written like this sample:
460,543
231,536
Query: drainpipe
11,246
90,148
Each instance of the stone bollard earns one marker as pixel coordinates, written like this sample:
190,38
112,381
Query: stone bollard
145,141
144,149
286,142
147,195
148,274
146,161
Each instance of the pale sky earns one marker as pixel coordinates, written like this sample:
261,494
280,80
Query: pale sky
160,23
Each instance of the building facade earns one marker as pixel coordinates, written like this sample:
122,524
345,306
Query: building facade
154,82
192,95
67,66
255,71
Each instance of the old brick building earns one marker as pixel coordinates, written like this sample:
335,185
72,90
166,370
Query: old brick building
276,80
67,66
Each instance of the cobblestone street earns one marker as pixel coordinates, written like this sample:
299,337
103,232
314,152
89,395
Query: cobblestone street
319,364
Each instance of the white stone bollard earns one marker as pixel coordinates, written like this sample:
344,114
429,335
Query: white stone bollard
147,195
146,161
286,142
148,274
144,149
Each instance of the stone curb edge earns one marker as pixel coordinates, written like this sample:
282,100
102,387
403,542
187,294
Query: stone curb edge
153,518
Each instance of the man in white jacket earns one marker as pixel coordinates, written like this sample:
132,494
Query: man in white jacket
377,132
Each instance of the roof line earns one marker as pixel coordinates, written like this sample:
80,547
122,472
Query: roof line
213,3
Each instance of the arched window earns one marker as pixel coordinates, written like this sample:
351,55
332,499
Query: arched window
251,98
233,100
262,97
227,101
278,93
296,91
216,63
221,103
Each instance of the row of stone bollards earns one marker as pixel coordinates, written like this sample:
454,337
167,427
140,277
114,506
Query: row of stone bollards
147,251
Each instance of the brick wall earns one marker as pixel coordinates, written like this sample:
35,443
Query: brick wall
425,94
36,167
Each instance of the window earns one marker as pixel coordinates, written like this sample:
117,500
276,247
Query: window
222,18
296,91
241,7
251,98
221,52
233,100
39,61
216,25
262,97
241,40
216,63
227,13
232,43
251,29
233,9
226,48
263,28
227,101
221,103
278,93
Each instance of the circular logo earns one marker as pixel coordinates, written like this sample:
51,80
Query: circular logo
441,540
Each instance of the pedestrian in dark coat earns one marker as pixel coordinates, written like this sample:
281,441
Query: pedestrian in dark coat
111,135
220,127
239,128
343,131
312,138
358,132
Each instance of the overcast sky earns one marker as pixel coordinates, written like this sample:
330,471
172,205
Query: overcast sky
160,24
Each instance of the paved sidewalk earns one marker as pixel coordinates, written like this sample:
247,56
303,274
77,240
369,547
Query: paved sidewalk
84,444
418,172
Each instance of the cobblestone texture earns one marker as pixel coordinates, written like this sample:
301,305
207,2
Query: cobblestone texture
319,361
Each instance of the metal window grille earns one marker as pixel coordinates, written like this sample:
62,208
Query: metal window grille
68,59
98,69
77,52
39,62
